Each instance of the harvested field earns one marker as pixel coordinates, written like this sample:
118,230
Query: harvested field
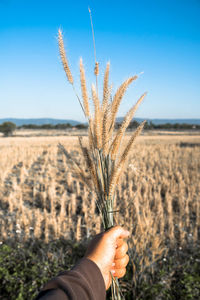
41,198
44,207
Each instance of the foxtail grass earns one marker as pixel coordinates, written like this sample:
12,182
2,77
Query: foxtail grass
103,159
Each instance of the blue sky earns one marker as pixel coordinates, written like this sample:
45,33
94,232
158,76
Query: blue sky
160,38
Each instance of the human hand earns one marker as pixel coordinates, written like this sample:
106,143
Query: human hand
108,251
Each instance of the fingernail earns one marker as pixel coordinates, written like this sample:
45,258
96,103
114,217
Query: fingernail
113,264
113,271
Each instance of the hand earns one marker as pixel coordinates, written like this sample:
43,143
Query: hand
108,251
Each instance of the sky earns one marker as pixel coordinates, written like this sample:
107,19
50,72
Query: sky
157,37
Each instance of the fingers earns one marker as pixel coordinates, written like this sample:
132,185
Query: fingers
121,259
121,251
108,248
119,242
122,262
119,273
120,266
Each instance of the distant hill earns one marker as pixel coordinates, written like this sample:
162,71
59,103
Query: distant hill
164,121
20,122
42,121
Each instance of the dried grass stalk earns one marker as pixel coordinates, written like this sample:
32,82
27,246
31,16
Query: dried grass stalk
64,57
105,130
131,141
96,69
118,97
84,89
100,157
89,163
97,119
106,89
129,116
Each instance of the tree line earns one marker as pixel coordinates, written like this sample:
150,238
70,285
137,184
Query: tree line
7,128
132,125
167,126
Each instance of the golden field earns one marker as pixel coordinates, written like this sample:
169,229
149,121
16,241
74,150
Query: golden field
157,198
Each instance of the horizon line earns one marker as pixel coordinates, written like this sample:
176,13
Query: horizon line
54,118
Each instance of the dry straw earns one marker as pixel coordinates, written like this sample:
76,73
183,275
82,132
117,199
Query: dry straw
84,89
64,58
102,156
148,208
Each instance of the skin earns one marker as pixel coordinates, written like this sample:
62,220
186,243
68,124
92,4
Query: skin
108,251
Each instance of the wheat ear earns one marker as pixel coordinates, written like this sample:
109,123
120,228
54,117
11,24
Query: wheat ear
66,66
90,134
118,169
129,116
118,97
106,88
64,57
89,163
105,130
131,141
84,89
96,69
97,118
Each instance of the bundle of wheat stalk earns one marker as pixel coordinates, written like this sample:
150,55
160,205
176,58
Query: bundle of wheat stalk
104,160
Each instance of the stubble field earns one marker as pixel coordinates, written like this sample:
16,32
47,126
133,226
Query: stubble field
157,198
40,195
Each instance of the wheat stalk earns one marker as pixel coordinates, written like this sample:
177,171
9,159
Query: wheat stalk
96,68
102,157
